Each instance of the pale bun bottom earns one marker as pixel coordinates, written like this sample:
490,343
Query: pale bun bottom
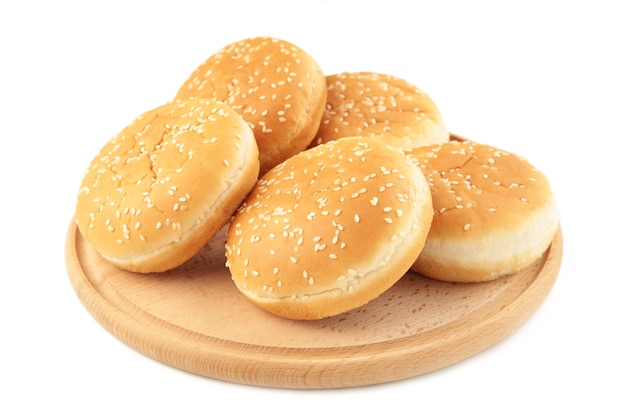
493,255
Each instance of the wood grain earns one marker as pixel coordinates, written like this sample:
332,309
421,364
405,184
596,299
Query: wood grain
193,318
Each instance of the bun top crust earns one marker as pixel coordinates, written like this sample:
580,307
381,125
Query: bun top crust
378,105
275,86
479,189
161,177
329,229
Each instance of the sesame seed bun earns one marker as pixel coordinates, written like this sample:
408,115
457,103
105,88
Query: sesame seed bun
275,86
379,105
168,182
329,229
494,213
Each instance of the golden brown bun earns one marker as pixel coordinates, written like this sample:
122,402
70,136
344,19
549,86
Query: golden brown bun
379,105
494,212
168,182
329,229
275,86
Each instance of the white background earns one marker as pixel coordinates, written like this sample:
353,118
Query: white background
545,79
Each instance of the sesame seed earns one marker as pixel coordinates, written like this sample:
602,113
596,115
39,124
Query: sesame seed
466,227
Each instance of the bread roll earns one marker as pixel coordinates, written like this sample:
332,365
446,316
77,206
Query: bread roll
494,213
329,229
379,105
275,86
162,188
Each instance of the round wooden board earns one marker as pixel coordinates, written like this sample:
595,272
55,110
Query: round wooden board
193,318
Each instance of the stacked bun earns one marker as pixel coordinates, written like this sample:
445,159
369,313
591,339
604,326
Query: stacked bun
329,229
332,187
381,106
278,88
162,187
494,212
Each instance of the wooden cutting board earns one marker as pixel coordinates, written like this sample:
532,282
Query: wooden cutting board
193,318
